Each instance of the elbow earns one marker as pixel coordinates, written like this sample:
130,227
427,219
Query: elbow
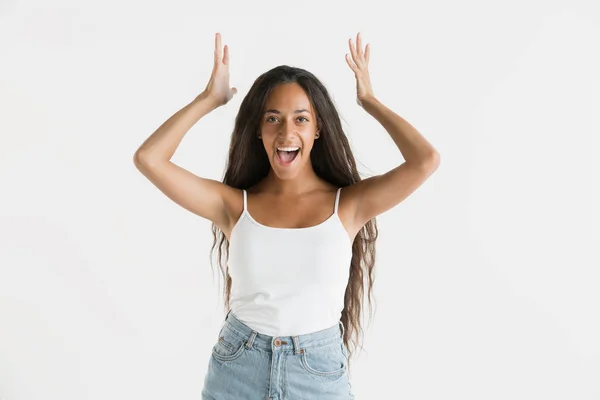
145,158
432,161
137,158
140,160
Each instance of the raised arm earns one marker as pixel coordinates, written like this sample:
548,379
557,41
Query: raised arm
202,196
377,194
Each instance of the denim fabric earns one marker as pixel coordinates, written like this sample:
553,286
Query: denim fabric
248,365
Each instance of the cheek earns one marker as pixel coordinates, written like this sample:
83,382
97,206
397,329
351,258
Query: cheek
308,139
269,134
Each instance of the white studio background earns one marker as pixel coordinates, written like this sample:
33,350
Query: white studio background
487,276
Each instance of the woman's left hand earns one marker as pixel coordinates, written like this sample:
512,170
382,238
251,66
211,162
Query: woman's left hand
360,68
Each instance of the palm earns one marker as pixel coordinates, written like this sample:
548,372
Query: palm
218,85
360,67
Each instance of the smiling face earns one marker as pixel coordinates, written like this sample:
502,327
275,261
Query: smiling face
288,122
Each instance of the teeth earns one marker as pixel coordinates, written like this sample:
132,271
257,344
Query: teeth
288,148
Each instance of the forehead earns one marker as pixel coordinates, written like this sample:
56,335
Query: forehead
288,96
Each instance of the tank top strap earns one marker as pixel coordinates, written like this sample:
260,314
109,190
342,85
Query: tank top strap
337,200
245,200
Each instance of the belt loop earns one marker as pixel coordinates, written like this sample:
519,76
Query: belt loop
250,340
297,349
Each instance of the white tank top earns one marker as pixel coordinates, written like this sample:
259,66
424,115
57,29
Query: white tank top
289,281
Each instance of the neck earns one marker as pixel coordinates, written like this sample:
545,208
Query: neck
303,182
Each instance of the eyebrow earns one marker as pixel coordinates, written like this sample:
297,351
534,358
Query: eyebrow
278,112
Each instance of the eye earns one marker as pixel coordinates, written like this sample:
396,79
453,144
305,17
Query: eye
304,118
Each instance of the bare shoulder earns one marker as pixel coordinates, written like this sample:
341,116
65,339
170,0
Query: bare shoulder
233,204
370,197
207,198
349,197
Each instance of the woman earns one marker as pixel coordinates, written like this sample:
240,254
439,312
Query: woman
297,223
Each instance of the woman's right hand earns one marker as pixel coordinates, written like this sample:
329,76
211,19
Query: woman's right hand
218,85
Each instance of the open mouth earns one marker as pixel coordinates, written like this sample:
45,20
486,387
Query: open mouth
287,157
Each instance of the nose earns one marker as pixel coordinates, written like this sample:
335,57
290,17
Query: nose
286,128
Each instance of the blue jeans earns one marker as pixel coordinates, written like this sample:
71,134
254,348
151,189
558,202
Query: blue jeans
248,365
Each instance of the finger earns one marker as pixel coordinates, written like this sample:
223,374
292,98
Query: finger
368,52
350,63
356,57
218,47
352,50
359,45
226,56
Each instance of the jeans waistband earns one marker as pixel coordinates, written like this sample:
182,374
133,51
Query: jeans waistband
295,343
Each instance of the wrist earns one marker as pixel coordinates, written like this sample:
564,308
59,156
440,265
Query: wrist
369,103
369,99
207,99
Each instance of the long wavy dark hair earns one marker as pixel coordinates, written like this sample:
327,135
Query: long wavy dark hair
332,160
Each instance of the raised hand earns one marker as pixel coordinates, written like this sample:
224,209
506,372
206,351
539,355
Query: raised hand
360,64
218,85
